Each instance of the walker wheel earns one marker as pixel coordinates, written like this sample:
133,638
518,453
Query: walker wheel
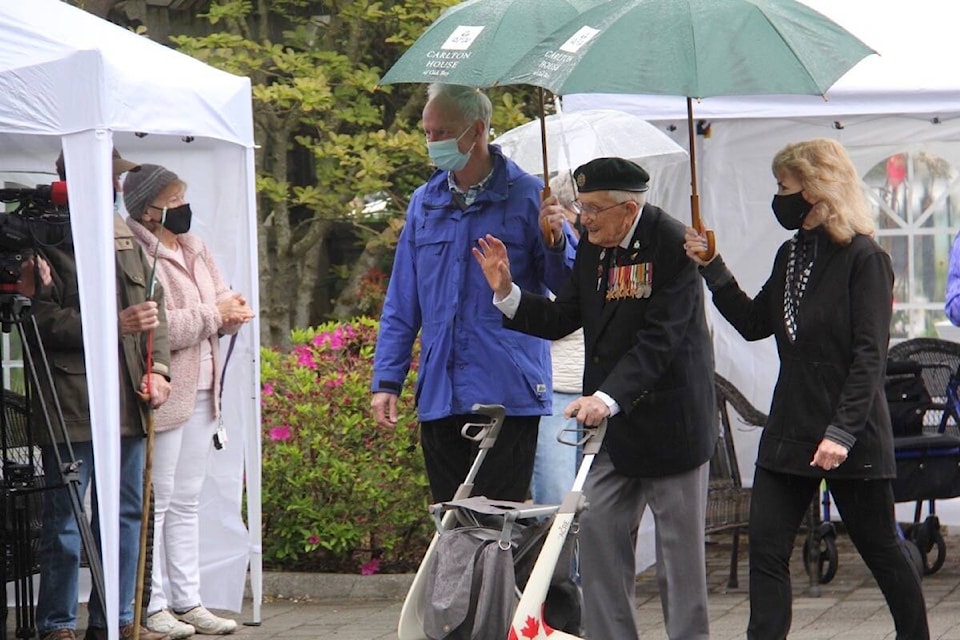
827,559
927,536
941,545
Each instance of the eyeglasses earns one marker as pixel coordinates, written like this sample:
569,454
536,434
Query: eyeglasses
175,201
588,210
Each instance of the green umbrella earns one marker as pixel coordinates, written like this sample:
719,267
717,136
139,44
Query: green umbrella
474,43
695,49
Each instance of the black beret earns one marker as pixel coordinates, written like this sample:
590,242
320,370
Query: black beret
611,174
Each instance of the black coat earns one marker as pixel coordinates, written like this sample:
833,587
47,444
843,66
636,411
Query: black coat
653,355
832,376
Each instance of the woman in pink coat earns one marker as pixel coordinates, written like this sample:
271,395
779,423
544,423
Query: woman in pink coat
200,308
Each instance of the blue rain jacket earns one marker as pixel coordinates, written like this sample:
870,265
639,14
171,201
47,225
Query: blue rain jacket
438,289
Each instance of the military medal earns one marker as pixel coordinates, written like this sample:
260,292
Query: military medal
630,281
645,277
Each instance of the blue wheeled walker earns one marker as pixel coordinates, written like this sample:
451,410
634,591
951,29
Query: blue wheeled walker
923,392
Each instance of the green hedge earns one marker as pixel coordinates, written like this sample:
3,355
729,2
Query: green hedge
340,493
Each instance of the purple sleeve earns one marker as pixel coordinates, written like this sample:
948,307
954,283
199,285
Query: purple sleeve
952,305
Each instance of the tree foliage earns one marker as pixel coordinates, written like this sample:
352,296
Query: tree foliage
329,139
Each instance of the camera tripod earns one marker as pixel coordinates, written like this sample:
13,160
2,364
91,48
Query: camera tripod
20,483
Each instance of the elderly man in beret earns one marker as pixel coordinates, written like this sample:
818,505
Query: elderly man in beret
649,370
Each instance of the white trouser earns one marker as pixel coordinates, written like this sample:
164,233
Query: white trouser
179,468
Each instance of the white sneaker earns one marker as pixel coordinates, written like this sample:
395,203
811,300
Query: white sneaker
207,623
163,622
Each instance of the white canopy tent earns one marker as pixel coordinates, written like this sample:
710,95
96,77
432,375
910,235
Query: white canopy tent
69,79
904,101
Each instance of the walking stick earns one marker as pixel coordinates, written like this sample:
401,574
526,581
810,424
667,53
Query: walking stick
145,520
145,509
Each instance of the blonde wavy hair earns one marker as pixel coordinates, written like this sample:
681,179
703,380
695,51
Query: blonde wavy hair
828,177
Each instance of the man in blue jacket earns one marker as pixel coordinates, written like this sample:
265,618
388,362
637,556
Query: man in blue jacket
438,290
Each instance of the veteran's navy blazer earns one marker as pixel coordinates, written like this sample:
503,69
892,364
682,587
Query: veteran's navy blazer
652,354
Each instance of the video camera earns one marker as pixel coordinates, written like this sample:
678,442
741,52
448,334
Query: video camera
41,218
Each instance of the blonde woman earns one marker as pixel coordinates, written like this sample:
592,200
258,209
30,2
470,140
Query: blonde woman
828,303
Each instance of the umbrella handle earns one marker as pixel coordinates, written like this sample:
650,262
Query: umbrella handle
711,245
711,241
697,224
545,227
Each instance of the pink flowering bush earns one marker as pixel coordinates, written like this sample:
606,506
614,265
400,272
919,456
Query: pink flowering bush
340,493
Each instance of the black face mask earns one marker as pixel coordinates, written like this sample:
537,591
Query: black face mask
177,219
791,210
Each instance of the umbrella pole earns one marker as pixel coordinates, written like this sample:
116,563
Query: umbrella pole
695,220
543,148
145,511
545,227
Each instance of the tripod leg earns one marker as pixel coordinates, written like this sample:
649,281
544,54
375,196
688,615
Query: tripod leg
26,623
68,470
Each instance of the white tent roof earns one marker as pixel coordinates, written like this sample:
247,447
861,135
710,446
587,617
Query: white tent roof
71,80
914,73
63,70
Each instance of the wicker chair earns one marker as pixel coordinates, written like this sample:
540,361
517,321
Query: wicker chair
728,501
939,360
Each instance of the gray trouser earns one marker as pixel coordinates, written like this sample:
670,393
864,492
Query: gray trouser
608,537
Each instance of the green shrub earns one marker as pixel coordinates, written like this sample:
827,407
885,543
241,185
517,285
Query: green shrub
340,493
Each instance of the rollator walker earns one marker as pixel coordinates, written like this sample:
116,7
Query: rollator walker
496,568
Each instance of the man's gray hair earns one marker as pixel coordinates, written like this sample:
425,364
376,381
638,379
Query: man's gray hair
470,103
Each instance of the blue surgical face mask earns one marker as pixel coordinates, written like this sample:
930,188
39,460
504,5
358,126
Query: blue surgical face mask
446,155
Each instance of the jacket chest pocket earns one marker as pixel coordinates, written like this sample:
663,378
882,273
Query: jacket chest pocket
510,229
514,232
131,277
70,381
435,244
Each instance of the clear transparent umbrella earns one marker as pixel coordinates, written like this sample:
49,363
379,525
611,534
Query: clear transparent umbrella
577,137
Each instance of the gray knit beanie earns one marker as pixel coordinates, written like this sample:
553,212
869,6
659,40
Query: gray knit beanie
141,186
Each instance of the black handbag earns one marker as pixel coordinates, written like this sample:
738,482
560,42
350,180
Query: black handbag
907,397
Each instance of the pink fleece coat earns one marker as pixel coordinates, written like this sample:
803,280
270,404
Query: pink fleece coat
191,296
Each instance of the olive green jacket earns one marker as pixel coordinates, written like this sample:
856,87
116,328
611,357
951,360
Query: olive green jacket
57,312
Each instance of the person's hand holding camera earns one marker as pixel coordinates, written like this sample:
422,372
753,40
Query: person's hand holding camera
29,270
